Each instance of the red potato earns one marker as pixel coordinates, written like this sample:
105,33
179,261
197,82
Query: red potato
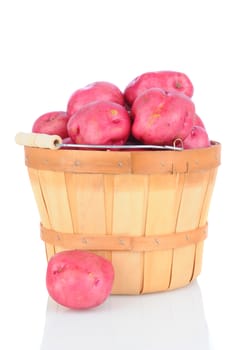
52,123
79,279
167,80
100,123
198,121
197,138
100,90
160,117
69,141
73,145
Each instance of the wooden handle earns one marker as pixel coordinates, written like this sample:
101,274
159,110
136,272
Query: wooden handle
38,140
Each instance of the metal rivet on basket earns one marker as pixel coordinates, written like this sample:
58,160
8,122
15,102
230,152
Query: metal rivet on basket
157,241
120,164
77,163
187,237
84,241
121,241
58,237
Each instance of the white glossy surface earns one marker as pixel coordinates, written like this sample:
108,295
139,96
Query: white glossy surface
174,320
49,49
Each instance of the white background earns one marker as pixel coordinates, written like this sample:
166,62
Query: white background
48,50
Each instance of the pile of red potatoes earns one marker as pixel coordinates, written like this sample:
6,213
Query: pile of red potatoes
155,108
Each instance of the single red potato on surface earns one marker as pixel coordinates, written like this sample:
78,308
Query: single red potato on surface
160,117
99,90
167,80
100,123
52,123
79,279
197,138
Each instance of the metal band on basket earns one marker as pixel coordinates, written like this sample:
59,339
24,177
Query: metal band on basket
123,243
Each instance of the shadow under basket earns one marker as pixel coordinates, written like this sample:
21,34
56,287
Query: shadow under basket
145,211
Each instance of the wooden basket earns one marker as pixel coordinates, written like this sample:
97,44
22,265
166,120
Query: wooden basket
146,211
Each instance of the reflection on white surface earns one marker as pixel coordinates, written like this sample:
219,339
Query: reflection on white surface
165,321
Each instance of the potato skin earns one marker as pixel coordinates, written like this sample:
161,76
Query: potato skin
159,117
198,121
197,138
52,123
79,279
167,80
100,123
98,90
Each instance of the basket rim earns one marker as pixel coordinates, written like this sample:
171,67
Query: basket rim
124,162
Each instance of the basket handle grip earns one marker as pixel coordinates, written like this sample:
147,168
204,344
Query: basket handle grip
38,140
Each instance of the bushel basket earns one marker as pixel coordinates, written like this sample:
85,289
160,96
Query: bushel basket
145,211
